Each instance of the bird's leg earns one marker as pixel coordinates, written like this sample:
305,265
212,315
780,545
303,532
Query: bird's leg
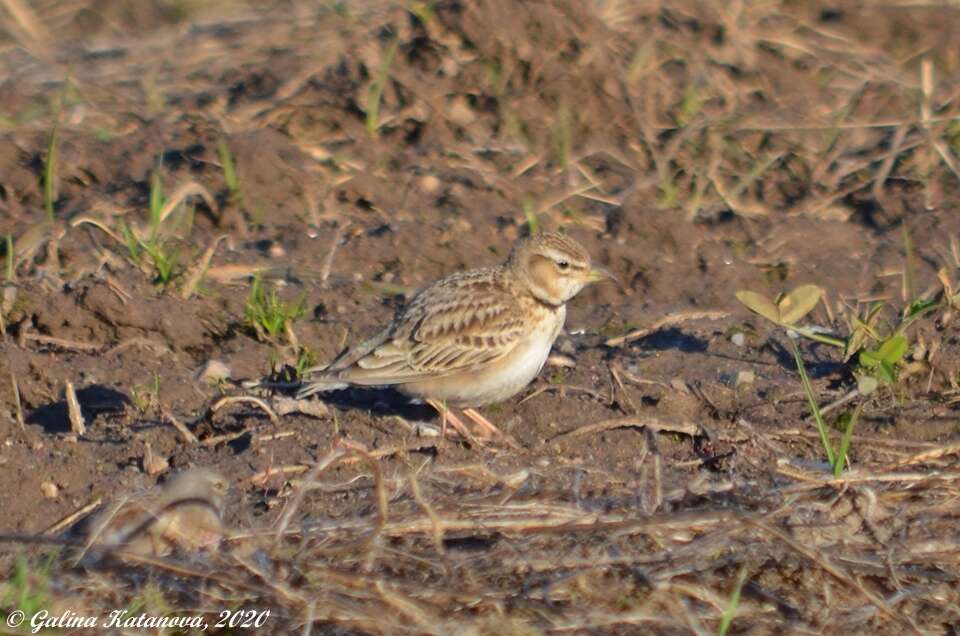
489,426
443,421
455,422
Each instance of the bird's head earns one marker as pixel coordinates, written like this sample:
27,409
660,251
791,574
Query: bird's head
554,267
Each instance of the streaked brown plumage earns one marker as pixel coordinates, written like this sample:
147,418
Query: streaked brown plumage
473,337
186,514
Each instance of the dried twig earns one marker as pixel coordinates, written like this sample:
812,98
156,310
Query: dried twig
668,321
331,458
18,409
73,517
198,270
185,432
331,253
926,456
824,562
435,519
183,192
631,421
248,399
63,344
73,410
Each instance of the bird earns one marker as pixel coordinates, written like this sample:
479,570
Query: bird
474,337
186,515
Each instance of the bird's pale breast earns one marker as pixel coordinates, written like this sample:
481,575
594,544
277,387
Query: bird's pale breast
502,378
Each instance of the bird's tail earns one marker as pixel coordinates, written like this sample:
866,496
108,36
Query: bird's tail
320,385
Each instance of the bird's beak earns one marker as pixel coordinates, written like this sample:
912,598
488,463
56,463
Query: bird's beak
600,273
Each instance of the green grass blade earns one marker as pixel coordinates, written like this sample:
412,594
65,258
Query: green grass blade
916,310
132,243
734,602
50,172
814,408
376,89
268,313
909,284
561,136
819,337
156,202
532,222
230,176
841,458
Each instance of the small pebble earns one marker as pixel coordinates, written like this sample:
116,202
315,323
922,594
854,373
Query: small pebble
516,479
561,360
745,377
429,184
460,113
566,346
213,372
49,490
9,298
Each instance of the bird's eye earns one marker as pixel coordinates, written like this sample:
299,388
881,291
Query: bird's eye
564,265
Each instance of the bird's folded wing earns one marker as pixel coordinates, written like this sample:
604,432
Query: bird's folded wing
442,335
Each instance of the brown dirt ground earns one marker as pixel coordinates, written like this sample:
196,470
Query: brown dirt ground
695,151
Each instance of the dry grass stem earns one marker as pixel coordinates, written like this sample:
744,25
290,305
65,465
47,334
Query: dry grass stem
62,343
245,399
197,271
631,421
184,432
668,321
73,517
182,193
18,408
73,410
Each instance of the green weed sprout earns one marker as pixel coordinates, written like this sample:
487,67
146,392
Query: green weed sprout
156,203
531,215
154,245
27,589
305,360
878,355
836,457
375,95
267,313
731,609
230,176
145,397
788,309
561,136
50,172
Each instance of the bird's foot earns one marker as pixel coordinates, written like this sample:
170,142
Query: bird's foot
489,427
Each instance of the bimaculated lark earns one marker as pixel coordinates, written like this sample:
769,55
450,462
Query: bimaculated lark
473,337
186,514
